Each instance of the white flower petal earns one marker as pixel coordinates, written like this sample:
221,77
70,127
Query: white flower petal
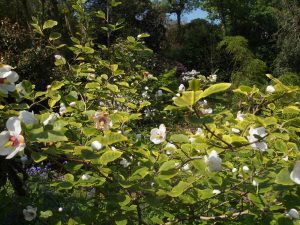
295,174
28,117
13,125
12,77
4,138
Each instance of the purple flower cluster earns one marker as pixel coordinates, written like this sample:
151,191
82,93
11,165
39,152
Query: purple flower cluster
39,170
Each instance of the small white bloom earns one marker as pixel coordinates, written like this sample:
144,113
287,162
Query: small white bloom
29,213
60,209
286,158
72,104
178,95
240,116
85,177
235,130
48,86
293,213
216,192
246,169
213,162
199,131
212,78
52,117
255,144
295,174
58,57
255,183
186,167
96,145
159,93
270,89
11,141
234,170
207,111
146,88
158,135
62,109
181,88
170,145
28,117
192,139
125,163
7,79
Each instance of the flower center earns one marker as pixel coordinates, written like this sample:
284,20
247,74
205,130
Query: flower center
15,141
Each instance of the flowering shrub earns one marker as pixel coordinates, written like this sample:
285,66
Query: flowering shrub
106,165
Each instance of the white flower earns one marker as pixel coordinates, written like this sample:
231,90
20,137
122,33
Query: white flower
207,111
295,174
72,104
58,57
216,192
192,139
85,177
146,88
255,183
199,131
125,163
159,93
255,144
7,79
286,158
181,88
240,116
246,169
113,148
48,86
270,89
212,78
62,109
29,213
170,145
186,167
213,162
158,135
138,136
60,209
52,117
96,145
293,213
235,130
11,141
234,170
28,117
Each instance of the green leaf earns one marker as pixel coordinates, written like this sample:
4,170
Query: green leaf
215,89
169,165
46,214
139,174
131,39
144,104
54,36
110,156
101,14
56,85
38,156
179,138
188,98
49,24
88,50
179,189
69,177
121,222
194,85
112,138
283,177
280,145
113,87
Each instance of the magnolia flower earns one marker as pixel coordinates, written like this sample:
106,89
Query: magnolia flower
234,170
11,141
52,117
240,116
186,167
60,209
213,162
125,163
96,145
212,78
216,192
181,88
7,79
158,135
29,213
28,117
102,120
245,168
293,213
85,177
270,89
295,174
252,138
72,104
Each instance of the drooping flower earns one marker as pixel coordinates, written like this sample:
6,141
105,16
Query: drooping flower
102,120
245,169
240,116
181,88
213,162
62,109
252,138
295,174
270,89
158,135
11,141
52,117
28,117
96,145
216,192
293,213
7,79
29,213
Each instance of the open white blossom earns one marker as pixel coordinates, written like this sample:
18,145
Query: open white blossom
125,163
212,78
252,138
62,109
199,131
293,213
235,130
158,135
7,79
11,141
255,183
240,116
234,170
186,167
28,117
295,174
29,213
85,177
246,169
72,104
216,192
60,209
270,89
213,162
52,117
96,145
181,88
